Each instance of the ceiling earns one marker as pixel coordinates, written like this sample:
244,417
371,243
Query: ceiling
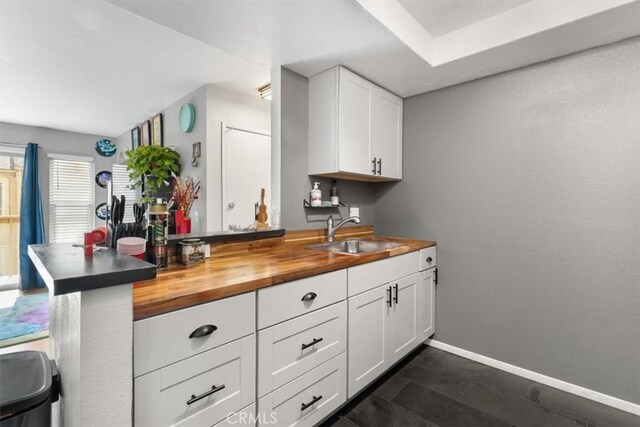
440,17
103,66
89,66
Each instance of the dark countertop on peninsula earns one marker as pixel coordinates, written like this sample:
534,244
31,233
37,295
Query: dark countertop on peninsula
65,269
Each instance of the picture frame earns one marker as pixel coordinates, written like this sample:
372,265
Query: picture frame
156,130
145,133
135,138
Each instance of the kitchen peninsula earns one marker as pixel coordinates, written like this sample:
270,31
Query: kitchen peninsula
196,345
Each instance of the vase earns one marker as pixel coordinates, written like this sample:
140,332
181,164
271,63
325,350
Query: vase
183,225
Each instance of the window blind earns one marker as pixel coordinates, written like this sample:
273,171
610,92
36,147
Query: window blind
121,186
71,198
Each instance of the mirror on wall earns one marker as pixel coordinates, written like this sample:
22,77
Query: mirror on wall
224,142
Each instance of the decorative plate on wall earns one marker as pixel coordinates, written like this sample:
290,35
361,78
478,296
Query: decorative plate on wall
102,212
106,147
103,178
187,117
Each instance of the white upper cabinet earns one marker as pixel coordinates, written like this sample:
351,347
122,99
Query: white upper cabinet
354,122
386,133
355,128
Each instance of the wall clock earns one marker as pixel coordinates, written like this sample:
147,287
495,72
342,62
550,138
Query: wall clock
187,117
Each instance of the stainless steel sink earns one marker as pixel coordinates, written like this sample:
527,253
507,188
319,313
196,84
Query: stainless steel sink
354,247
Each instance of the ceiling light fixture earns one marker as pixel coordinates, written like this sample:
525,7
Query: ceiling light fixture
265,91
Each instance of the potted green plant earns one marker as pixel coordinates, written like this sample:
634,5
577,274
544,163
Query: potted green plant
152,166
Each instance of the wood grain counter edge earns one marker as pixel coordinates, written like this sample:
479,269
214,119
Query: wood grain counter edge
247,267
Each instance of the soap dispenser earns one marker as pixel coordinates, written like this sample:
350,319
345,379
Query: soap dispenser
315,195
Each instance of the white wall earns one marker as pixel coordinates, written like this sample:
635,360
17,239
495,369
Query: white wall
58,142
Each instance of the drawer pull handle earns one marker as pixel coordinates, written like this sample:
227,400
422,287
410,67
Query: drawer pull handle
195,398
312,343
306,405
203,331
429,260
389,295
310,296
395,299
373,171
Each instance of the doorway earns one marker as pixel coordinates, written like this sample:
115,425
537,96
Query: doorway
246,169
24,316
11,169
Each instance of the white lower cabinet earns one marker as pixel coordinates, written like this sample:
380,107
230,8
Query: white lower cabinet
427,304
199,391
319,341
383,328
403,318
292,348
368,337
308,399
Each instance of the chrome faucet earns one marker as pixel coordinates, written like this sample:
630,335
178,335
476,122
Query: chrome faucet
331,230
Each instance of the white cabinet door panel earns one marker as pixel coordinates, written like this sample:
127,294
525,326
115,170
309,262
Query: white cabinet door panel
427,295
368,337
403,320
386,134
354,123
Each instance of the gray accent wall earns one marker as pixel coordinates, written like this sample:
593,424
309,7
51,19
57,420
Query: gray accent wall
530,183
295,183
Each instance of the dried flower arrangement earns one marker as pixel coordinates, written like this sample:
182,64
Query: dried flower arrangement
185,193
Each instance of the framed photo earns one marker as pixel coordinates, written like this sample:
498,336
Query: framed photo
156,130
145,133
135,138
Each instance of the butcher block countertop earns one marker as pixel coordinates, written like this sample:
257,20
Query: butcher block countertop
236,268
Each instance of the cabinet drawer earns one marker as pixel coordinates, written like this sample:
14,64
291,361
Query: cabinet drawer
427,258
283,302
164,339
281,356
162,397
325,384
368,276
244,417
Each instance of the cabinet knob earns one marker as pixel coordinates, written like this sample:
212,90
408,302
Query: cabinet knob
429,260
232,205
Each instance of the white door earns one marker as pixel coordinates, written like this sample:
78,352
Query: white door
386,134
368,340
246,168
403,320
427,312
354,123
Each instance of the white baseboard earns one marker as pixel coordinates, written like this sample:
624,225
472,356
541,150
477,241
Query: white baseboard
543,379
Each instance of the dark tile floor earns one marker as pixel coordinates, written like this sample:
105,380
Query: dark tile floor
433,388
